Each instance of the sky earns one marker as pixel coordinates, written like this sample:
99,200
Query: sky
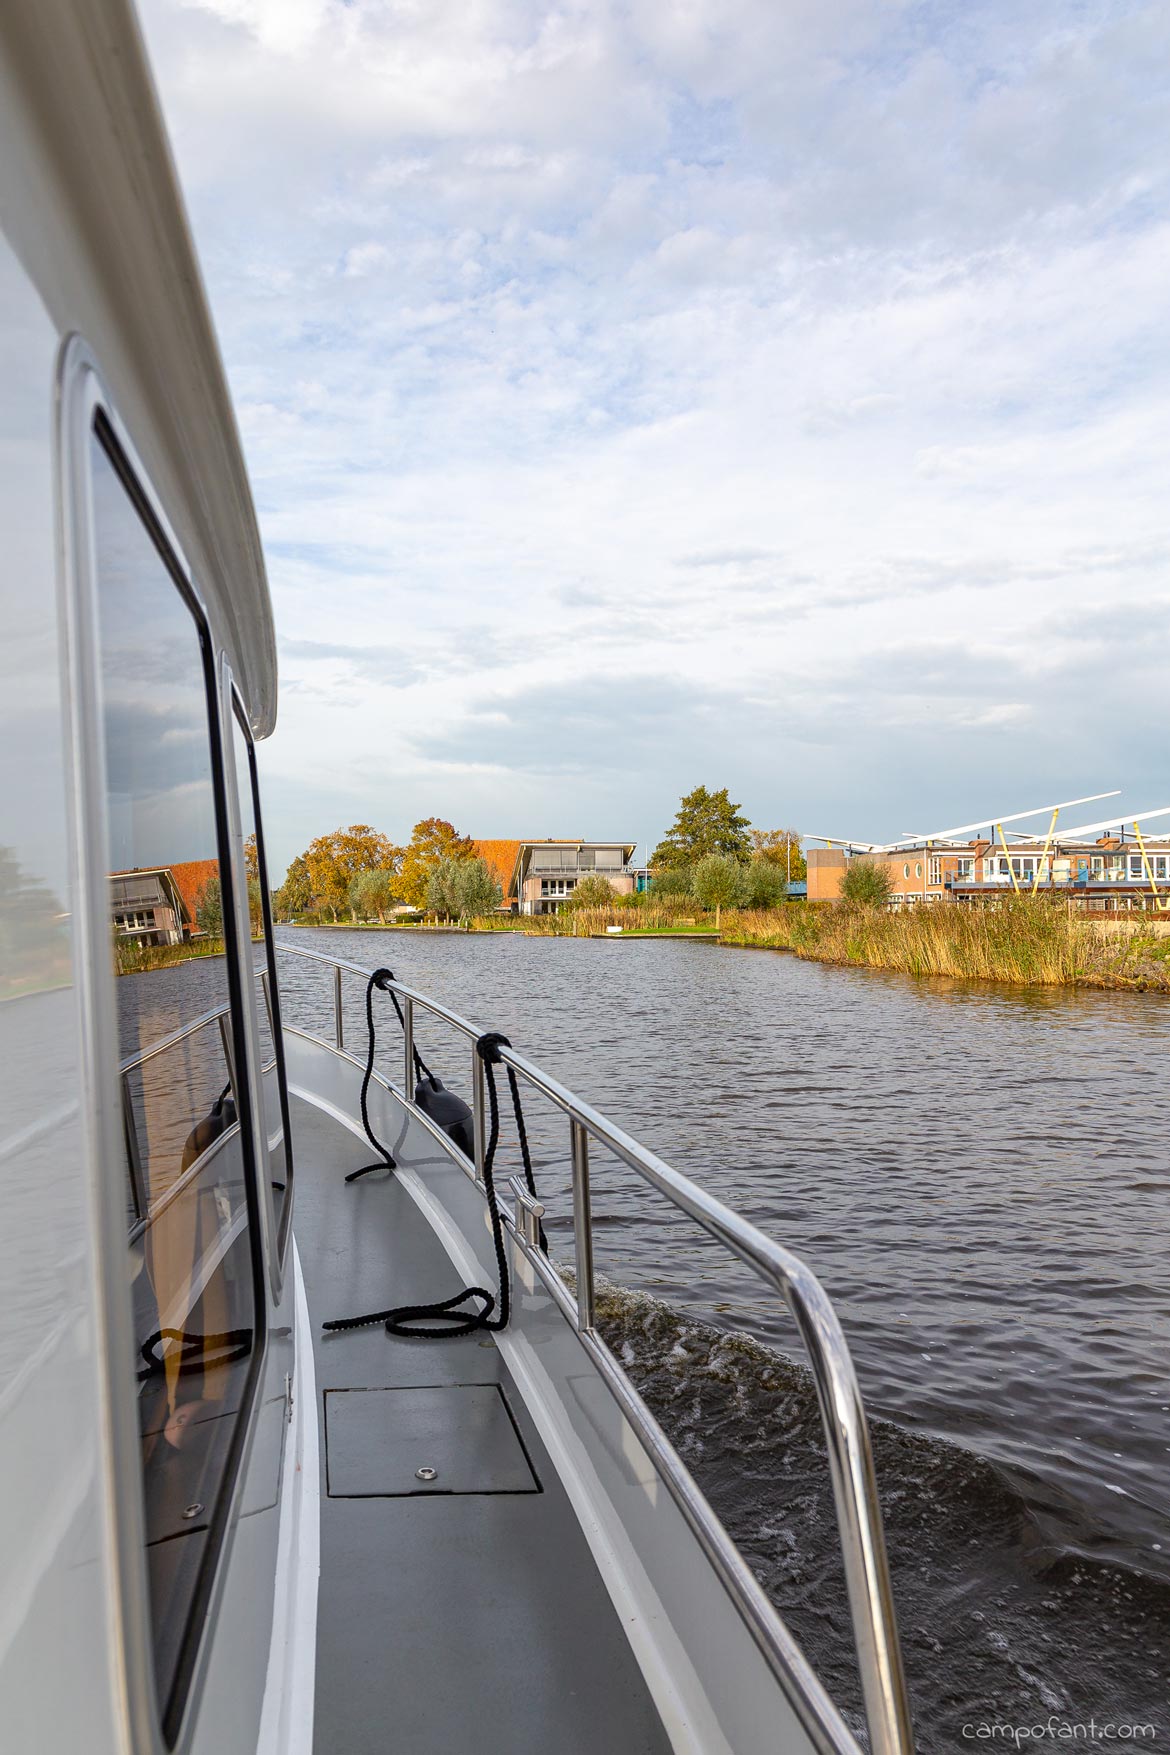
771,394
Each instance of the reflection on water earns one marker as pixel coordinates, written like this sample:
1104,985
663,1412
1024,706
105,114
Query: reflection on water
978,1175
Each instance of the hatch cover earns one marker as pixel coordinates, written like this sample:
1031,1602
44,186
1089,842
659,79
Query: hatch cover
453,1438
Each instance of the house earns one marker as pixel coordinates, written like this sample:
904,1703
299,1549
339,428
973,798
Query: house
546,873
158,905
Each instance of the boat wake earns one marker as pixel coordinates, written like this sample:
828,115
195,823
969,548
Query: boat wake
1000,1623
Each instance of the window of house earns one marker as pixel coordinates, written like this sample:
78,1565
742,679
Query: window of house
965,868
609,858
934,873
918,869
1136,869
906,870
192,1271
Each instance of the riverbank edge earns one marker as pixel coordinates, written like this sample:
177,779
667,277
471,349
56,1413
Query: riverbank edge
1107,956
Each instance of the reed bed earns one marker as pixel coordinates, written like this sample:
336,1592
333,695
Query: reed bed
131,958
1029,941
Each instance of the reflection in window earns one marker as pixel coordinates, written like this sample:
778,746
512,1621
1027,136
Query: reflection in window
261,971
191,1269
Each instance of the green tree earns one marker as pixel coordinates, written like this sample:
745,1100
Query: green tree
718,882
674,881
295,894
431,840
373,892
442,895
764,884
866,883
209,909
256,907
476,890
594,891
705,823
781,847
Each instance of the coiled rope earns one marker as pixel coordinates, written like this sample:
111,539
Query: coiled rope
445,1319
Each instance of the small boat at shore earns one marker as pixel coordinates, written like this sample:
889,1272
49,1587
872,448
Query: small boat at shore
299,1450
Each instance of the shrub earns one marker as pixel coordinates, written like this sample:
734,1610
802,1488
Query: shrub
764,884
866,884
593,891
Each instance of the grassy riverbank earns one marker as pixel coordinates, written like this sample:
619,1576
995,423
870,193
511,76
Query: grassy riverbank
132,959
1025,940
1028,941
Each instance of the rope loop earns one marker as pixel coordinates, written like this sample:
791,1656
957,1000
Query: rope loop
444,1319
489,1044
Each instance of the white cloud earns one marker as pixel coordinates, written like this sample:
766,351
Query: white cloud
770,352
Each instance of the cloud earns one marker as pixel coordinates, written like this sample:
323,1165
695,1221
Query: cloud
774,392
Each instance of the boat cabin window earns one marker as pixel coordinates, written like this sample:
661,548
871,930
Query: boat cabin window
260,962
192,1271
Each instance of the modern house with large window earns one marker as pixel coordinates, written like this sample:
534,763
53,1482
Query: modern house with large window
546,873
159,905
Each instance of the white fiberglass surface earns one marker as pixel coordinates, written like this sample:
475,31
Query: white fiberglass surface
52,1589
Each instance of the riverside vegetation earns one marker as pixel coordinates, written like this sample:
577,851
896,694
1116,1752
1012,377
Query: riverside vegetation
1025,940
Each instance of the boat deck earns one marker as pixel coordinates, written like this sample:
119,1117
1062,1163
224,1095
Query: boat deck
463,1613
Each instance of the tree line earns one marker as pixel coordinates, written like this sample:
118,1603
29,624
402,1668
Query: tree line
710,852
360,872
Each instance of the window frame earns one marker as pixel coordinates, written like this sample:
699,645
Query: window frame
280,1234
86,415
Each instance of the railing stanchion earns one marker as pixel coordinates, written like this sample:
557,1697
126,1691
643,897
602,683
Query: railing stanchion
479,1132
133,1151
408,1045
582,1225
225,1036
338,1027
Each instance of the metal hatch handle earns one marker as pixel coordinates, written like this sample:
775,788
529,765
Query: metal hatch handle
851,1469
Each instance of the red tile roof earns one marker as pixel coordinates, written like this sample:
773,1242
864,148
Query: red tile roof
500,859
191,878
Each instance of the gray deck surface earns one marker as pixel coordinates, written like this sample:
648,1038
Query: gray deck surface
446,1621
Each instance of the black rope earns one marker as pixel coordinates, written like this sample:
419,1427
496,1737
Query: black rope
193,1350
444,1319
382,978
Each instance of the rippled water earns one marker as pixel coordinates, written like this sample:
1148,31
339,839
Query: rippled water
979,1176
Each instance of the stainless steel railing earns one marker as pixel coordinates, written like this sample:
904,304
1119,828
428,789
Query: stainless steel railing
220,1015
838,1395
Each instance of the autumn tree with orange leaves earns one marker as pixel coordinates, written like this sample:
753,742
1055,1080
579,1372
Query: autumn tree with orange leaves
334,860
432,840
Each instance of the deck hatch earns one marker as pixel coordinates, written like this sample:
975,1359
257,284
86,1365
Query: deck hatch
378,1440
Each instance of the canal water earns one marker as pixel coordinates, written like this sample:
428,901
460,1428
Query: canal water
978,1174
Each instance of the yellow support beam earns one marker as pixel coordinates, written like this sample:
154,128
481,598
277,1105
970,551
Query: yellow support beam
1044,855
1158,902
1007,854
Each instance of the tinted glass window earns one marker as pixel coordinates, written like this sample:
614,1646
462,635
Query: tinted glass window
261,967
190,1270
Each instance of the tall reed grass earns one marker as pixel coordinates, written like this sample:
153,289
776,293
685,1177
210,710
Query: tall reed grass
1031,941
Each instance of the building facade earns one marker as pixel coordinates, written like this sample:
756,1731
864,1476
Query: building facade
547,872
1106,876
159,905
